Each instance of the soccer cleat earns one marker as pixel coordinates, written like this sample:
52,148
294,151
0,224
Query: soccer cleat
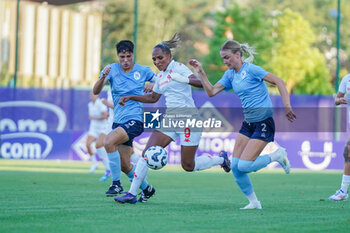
252,205
93,167
339,195
283,159
126,198
114,190
226,165
105,176
147,193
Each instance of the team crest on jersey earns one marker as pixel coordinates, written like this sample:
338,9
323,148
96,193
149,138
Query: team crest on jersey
243,74
137,75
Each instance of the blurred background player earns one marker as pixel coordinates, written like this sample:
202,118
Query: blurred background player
258,127
124,78
98,113
178,99
342,193
107,129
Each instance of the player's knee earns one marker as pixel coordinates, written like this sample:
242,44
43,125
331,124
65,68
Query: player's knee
187,166
234,165
109,146
346,152
245,166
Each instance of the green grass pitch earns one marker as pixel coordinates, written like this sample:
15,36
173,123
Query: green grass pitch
53,196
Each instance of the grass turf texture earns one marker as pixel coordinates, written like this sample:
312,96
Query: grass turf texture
51,196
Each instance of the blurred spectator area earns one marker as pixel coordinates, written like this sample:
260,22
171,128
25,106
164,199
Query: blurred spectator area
57,47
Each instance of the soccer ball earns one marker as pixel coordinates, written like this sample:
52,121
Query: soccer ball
156,157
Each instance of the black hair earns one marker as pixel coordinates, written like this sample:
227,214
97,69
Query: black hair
125,46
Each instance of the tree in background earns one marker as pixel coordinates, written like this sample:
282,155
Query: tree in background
158,21
249,25
317,13
295,59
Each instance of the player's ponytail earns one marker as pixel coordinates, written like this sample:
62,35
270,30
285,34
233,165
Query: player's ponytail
167,45
235,46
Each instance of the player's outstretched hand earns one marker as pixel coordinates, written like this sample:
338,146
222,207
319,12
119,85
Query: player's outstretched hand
123,99
290,114
179,78
195,64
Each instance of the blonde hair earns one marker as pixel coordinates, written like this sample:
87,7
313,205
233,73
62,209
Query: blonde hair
235,46
167,45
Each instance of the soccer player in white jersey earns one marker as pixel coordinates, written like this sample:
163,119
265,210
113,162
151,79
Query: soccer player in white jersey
125,78
178,97
106,130
258,128
98,114
342,193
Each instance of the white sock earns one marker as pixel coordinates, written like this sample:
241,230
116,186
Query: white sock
139,175
274,156
93,159
134,158
103,155
252,197
345,183
206,161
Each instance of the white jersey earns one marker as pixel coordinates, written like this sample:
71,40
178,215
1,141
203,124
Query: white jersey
177,95
344,87
95,110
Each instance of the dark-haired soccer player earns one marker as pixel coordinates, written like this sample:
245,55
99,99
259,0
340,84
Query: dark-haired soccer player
125,78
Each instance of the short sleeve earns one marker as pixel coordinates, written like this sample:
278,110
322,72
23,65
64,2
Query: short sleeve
150,74
226,80
257,72
183,70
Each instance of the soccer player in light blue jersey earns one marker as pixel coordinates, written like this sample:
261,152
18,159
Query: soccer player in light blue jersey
125,78
258,128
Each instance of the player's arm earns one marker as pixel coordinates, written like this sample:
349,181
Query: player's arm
148,87
107,103
208,87
149,98
104,115
339,99
195,81
273,79
101,81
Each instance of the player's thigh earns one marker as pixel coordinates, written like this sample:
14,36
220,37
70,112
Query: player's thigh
116,137
157,138
253,149
240,144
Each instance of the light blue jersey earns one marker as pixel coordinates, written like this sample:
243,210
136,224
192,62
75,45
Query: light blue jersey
249,85
123,84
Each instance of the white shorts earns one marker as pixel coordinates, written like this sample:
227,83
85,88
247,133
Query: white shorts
107,129
95,130
187,138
